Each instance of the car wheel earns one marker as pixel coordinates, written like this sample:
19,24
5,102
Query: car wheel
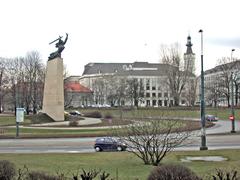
119,148
97,149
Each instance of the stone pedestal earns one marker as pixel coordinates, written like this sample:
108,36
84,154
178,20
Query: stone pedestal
53,97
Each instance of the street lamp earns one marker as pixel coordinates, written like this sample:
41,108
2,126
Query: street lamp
232,100
203,129
232,53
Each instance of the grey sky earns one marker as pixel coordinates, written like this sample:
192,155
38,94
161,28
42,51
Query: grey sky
119,30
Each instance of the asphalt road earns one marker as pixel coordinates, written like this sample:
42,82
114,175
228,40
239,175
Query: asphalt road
85,145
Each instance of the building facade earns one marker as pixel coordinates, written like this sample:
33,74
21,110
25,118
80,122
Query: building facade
75,94
221,83
117,79
139,83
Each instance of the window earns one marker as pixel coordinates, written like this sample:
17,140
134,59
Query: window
148,102
159,102
147,94
147,84
153,94
165,102
159,94
166,94
153,84
154,102
125,67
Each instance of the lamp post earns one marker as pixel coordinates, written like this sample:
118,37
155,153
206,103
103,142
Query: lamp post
17,106
232,100
203,129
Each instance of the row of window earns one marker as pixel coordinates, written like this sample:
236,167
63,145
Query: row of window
159,103
159,94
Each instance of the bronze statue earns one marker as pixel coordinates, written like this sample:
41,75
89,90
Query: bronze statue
60,45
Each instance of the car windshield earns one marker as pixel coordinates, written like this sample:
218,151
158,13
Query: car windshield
107,139
210,116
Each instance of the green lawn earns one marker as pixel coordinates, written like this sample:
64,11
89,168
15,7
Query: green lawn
11,120
31,132
140,113
222,113
124,164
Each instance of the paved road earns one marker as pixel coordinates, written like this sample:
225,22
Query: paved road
223,126
80,145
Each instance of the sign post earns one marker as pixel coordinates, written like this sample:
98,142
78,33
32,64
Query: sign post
19,118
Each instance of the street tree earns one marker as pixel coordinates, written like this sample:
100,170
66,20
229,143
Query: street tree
213,93
152,140
3,82
98,89
225,67
111,89
26,79
135,90
177,76
33,80
15,72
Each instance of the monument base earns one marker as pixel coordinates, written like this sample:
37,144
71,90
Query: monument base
53,97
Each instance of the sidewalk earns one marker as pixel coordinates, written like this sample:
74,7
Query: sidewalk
86,121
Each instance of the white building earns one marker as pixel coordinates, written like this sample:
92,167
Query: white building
218,84
115,83
151,76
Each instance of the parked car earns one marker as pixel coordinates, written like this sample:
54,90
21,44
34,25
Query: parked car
211,118
109,144
66,113
106,106
75,113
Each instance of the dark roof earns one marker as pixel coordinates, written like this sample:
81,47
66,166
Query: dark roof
136,68
128,69
95,68
224,67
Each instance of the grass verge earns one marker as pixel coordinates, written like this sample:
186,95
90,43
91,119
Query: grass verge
54,133
124,165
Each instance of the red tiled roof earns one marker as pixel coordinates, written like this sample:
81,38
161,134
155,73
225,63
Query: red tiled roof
76,87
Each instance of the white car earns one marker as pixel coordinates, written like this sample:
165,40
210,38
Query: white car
75,113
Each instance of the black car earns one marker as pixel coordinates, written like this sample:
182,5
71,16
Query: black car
211,118
109,144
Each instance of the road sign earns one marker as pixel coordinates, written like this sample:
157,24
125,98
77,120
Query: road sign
231,117
20,115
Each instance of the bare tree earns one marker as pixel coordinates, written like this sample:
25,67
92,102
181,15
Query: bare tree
135,90
152,140
176,75
213,93
98,89
190,92
26,79
15,74
33,82
121,91
111,88
225,67
3,82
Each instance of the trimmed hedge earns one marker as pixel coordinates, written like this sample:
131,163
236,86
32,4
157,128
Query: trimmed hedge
172,172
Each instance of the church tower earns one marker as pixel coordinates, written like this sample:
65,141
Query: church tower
189,57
